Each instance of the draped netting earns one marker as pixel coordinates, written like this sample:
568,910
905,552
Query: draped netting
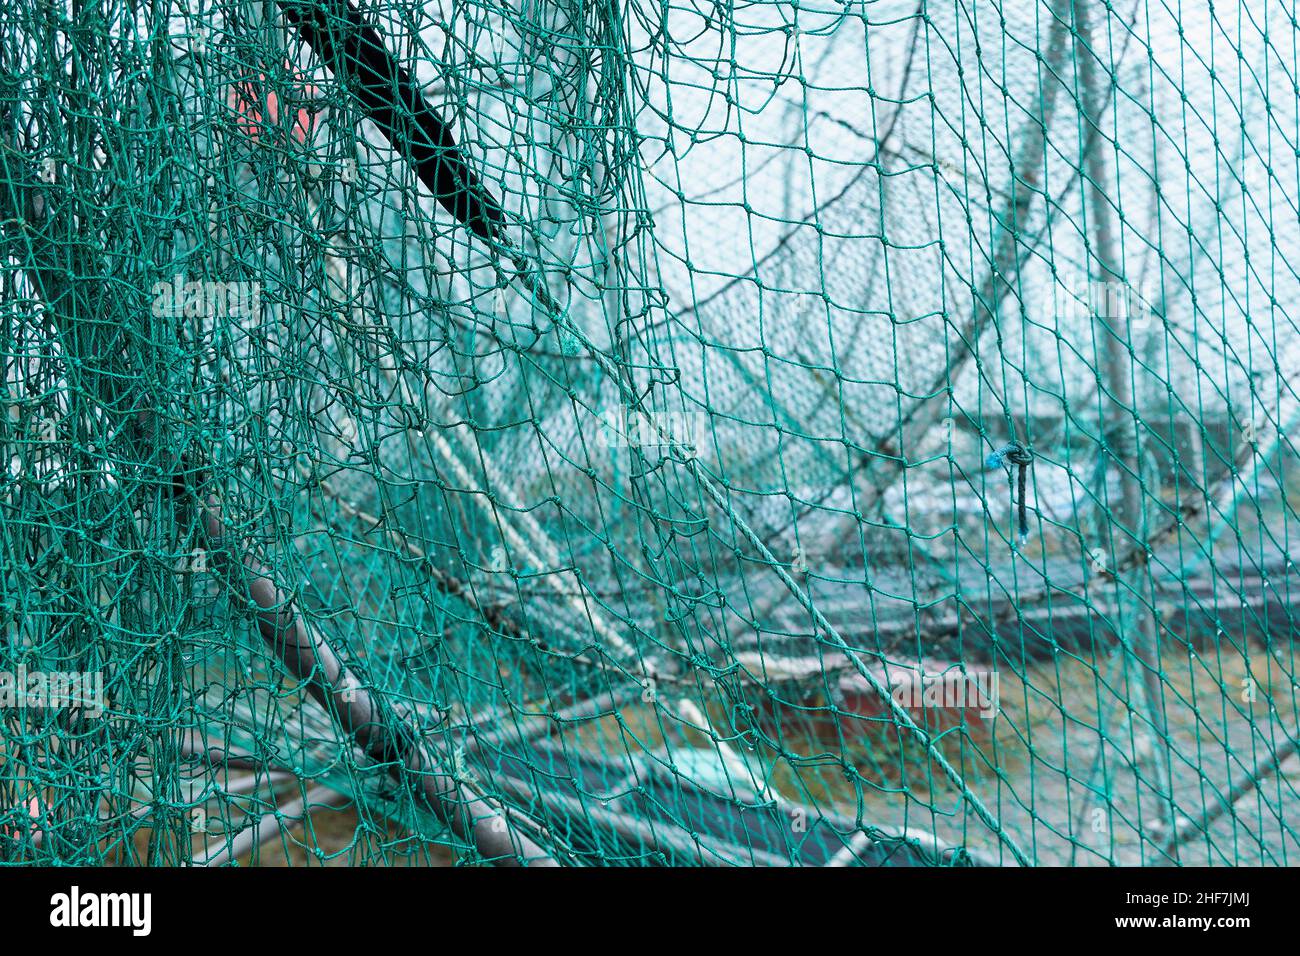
817,433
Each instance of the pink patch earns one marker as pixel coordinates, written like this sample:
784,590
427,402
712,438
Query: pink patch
33,813
259,108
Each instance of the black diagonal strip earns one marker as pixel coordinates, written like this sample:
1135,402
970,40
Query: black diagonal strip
354,52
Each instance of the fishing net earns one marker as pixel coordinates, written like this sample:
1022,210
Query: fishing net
815,433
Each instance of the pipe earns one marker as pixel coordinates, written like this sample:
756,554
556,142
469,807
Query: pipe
364,715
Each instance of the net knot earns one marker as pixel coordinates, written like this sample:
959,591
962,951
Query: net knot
1012,453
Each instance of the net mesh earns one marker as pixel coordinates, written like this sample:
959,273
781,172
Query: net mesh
773,433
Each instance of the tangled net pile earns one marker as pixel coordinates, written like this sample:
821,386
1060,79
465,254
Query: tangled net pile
845,433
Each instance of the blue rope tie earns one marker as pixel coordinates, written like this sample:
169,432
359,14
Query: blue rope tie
1015,454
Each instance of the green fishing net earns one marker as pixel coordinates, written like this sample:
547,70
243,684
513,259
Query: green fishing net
852,433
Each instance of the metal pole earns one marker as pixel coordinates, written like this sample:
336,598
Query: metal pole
364,715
